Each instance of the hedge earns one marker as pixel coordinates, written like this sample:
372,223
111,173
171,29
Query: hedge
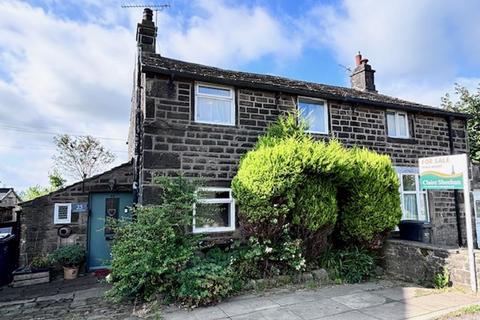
291,178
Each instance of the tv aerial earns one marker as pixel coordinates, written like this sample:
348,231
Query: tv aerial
152,5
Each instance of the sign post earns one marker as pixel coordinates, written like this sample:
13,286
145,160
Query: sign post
451,172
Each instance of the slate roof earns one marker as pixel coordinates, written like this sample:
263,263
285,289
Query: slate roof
129,163
4,192
157,64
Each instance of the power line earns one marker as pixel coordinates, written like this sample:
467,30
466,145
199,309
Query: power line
44,147
24,130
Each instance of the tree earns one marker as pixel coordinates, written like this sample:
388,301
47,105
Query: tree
56,182
81,157
468,103
33,192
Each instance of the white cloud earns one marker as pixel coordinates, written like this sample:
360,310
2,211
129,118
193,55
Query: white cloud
75,75
417,47
223,35
59,76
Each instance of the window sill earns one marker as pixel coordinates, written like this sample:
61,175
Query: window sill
318,133
214,124
401,140
212,230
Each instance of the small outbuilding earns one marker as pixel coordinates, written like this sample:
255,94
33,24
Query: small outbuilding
76,214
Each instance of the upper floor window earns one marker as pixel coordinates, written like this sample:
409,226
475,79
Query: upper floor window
214,104
315,112
413,199
397,124
214,210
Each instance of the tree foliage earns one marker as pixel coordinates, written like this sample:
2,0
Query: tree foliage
56,182
81,157
468,103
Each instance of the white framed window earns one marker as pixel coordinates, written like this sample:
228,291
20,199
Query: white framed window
214,210
62,213
214,104
397,124
414,200
315,113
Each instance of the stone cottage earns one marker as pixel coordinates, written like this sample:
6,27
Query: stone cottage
199,120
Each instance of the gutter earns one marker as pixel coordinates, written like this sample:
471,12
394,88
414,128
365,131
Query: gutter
312,93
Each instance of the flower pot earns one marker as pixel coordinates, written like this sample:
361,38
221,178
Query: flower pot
70,273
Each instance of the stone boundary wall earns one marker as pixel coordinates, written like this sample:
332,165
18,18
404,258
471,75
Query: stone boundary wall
419,262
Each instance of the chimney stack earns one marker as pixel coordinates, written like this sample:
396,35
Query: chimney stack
362,77
147,32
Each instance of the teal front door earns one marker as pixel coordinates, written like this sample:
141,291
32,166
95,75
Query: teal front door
102,205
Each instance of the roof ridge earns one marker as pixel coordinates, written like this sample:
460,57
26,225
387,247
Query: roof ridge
170,66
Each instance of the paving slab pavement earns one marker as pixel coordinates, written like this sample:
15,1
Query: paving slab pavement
367,301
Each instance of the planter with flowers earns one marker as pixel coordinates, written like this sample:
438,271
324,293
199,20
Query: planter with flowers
70,258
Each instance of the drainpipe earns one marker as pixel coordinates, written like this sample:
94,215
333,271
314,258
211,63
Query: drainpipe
455,192
137,130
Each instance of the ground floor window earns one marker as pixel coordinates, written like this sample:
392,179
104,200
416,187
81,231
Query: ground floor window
214,210
414,200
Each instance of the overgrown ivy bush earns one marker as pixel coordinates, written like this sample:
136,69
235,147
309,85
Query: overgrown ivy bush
205,283
150,251
348,265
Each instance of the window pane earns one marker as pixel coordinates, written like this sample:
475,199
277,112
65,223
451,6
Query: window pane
392,131
410,205
214,91
62,212
213,110
402,125
212,215
314,113
408,182
423,215
477,208
209,194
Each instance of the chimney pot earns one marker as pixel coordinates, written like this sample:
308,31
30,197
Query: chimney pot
147,14
147,32
358,58
362,77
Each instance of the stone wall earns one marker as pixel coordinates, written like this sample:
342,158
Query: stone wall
39,233
419,262
172,142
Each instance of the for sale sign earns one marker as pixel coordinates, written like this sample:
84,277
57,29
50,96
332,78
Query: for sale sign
440,173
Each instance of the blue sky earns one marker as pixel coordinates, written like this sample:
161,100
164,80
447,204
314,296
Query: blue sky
66,66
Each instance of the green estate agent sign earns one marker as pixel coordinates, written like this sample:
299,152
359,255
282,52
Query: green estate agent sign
440,173
451,172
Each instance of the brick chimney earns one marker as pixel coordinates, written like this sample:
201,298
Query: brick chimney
147,32
362,77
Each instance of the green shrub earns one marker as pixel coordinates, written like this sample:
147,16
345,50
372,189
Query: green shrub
276,185
69,256
205,283
285,127
150,251
442,279
369,201
41,262
349,265
315,204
